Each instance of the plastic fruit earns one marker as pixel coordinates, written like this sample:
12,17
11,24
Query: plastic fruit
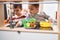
32,20
32,24
29,23
45,24
24,22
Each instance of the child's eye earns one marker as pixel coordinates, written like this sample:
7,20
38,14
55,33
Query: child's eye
31,9
17,10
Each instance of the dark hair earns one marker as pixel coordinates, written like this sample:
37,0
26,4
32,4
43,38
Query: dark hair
35,5
18,5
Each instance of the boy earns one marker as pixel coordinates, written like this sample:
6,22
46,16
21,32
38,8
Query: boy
34,9
17,15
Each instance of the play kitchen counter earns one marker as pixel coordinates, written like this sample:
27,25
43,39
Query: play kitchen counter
29,30
56,29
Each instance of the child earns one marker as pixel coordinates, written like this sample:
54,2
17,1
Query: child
17,15
34,9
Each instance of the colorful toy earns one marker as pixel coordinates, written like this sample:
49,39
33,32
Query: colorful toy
29,23
32,24
45,24
24,23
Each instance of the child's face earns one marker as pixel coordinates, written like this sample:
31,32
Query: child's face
17,11
33,10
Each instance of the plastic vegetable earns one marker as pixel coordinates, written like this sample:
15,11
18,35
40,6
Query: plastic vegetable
29,23
32,22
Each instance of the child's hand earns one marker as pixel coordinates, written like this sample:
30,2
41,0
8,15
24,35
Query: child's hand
50,20
6,21
16,26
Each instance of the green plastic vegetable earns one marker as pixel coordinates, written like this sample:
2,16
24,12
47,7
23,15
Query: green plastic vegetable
26,22
32,20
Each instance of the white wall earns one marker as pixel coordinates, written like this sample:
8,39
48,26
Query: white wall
5,35
50,9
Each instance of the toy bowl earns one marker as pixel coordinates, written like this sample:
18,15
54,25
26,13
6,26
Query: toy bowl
45,24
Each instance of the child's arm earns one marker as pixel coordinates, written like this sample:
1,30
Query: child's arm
19,23
16,25
8,20
45,15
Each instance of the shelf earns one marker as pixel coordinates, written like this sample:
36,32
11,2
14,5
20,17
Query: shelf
44,2
17,0
25,0
29,30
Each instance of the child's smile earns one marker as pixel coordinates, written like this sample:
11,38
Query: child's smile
33,10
